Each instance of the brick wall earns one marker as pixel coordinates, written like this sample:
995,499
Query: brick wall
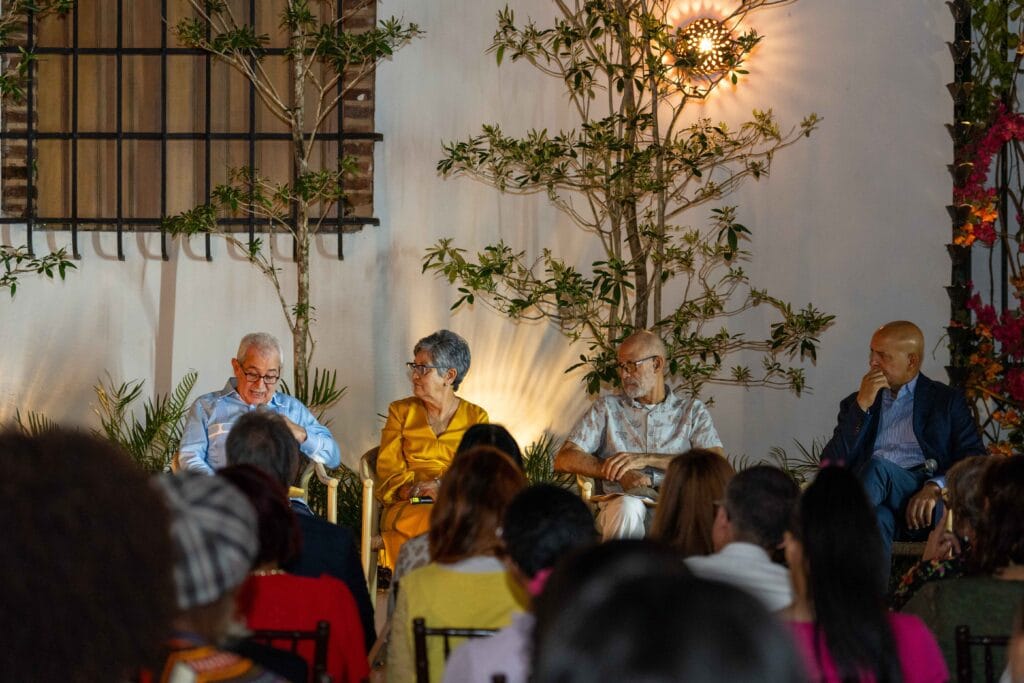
358,107
13,169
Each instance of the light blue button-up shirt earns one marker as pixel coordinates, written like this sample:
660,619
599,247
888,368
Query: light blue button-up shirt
896,441
212,415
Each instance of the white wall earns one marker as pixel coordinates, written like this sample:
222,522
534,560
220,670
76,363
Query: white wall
851,219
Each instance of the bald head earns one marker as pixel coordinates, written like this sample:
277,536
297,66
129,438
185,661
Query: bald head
906,334
897,348
645,342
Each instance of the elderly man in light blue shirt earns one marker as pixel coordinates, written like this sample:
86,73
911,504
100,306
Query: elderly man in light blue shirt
257,368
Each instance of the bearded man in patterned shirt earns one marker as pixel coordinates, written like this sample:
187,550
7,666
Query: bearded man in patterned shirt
626,440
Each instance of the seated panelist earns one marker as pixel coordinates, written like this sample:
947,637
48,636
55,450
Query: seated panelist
257,369
901,431
420,436
627,440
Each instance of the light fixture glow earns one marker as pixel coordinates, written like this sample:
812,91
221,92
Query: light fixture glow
705,47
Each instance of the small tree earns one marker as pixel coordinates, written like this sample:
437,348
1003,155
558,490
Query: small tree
326,62
629,173
18,260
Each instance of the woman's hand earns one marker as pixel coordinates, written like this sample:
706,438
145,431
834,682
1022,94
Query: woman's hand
426,488
942,544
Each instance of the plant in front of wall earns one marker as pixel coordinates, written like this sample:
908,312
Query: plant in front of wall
633,173
986,332
325,62
153,440
16,261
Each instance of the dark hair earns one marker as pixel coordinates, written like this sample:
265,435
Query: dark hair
494,435
666,629
694,481
86,585
279,534
628,610
262,438
608,562
759,501
1000,534
966,498
473,496
543,523
844,561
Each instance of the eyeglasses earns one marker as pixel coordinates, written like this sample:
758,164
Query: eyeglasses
420,370
631,366
254,377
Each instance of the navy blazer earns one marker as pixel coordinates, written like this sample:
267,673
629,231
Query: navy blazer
330,549
943,425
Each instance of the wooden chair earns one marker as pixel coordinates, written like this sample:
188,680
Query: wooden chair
586,486
320,637
965,660
370,541
419,639
301,491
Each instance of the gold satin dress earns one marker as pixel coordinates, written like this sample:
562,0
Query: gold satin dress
410,452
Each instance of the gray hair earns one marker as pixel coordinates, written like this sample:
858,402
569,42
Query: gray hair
263,342
446,350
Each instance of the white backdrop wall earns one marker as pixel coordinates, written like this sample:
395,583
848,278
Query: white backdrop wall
851,219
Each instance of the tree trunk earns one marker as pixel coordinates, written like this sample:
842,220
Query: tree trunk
626,189
300,332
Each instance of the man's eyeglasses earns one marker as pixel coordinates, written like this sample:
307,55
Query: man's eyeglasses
631,366
420,370
254,377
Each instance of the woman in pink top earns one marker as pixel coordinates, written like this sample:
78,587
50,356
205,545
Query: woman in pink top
838,616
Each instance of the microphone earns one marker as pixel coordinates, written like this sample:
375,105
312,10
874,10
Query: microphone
930,466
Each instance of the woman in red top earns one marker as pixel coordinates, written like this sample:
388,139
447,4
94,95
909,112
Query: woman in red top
274,599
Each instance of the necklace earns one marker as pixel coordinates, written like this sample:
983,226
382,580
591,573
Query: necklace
266,572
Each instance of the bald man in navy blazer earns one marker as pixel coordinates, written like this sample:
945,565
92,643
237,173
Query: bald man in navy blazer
902,431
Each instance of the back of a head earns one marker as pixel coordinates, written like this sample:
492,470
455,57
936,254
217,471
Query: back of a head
86,587
262,438
966,498
694,481
279,535
593,567
759,501
542,524
1000,534
845,565
636,615
215,534
494,435
474,493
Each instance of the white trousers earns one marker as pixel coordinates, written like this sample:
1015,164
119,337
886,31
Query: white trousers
623,517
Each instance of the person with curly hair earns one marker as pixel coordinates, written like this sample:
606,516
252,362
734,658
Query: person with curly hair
86,587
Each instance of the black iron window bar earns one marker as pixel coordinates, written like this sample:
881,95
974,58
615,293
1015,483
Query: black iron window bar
31,135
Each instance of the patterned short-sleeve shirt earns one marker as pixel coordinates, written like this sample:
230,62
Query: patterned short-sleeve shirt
617,423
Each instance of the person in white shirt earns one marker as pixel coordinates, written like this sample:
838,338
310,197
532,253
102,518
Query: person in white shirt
747,531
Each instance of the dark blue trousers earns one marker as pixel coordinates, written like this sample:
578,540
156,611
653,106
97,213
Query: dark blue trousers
889,488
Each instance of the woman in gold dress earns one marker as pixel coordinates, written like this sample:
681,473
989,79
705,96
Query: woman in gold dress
420,437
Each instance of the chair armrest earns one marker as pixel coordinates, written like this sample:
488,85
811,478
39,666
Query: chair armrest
586,485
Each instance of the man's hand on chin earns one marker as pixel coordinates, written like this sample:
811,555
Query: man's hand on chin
922,506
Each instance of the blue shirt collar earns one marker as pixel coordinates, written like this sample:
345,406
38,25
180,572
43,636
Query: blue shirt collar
907,388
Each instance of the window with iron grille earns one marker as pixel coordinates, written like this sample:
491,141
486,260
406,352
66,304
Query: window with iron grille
121,127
